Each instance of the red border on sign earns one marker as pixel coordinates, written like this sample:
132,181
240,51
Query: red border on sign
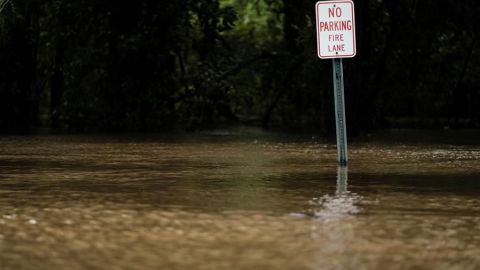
318,30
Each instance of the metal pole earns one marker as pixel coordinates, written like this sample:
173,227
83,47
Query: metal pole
340,120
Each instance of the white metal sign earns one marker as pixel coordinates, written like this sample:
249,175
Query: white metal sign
335,29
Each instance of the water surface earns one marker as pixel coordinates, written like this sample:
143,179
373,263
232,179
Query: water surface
237,202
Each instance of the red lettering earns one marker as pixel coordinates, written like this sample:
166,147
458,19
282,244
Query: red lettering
335,37
338,12
336,26
334,12
336,48
331,12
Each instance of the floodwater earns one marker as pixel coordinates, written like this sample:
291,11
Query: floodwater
227,201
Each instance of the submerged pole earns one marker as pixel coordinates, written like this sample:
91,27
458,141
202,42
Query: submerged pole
340,119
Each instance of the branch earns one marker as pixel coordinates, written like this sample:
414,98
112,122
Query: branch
3,4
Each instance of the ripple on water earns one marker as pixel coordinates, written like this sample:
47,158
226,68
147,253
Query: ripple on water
335,207
80,203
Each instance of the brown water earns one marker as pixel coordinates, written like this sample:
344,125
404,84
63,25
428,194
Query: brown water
233,202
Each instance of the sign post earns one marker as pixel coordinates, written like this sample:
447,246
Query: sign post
341,125
336,40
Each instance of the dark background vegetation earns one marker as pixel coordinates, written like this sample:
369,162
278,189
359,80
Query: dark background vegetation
155,65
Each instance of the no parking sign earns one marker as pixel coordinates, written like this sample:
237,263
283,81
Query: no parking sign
336,40
335,29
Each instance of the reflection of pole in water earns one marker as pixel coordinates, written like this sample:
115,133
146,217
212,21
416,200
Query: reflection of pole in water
337,233
342,204
342,180
335,207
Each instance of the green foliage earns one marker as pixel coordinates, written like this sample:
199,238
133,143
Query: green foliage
85,65
3,4
258,21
